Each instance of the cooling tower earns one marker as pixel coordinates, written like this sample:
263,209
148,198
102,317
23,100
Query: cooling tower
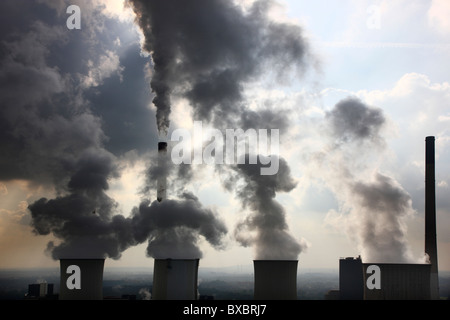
161,182
81,279
275,279
175,279
399,282
430,216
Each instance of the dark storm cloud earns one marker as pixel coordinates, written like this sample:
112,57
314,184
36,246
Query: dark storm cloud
207,51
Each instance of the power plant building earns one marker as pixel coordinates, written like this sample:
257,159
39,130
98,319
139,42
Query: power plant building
351,280
399,281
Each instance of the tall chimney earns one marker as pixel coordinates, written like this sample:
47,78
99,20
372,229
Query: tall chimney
430,216
161,183
175,279
81,279
275,279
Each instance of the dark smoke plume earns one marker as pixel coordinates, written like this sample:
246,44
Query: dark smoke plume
173,227
265,227
352,120
85,219
207,50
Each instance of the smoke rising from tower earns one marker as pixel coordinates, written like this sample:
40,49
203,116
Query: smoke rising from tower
173,227
203,51
374,205
265,228
207,50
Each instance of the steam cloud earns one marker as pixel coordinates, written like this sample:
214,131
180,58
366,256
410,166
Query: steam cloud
265,227
377,205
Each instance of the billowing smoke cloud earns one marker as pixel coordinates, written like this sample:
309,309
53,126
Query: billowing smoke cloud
376,204
53,134
70,114
85,219
265,227
351,120
382,206
173,227
207,50
51,138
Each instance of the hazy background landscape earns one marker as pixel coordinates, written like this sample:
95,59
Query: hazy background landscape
231,283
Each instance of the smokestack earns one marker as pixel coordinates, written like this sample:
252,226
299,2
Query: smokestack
161,183
430,216
275,279
175,279
81,279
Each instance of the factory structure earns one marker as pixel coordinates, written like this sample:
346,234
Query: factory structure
383,281
177,279
398,281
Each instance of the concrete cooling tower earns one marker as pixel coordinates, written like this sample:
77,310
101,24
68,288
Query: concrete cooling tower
81,279
175,279
275,279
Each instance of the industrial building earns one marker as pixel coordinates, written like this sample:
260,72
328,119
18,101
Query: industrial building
40,291
177,279
351,279
399,281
